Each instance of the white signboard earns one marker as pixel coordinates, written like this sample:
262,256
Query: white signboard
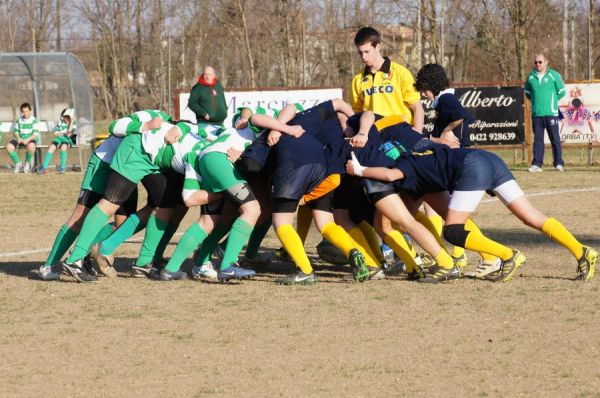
581,113
266,99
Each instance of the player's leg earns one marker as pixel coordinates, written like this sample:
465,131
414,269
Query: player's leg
554,136
44,167
63,158
29,155
14,156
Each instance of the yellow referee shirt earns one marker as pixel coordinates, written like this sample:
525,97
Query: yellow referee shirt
390,91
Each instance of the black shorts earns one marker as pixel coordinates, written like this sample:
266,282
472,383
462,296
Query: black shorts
350,195
17,145
286,205
213,208
90,199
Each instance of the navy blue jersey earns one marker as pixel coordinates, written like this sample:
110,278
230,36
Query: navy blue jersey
433,170
449,110
391,128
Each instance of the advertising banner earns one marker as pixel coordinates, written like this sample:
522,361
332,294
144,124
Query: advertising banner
580,110
498,114
268,99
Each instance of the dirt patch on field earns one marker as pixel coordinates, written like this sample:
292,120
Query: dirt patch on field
534,336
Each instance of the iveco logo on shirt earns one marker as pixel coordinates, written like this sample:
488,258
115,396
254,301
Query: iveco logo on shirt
378,90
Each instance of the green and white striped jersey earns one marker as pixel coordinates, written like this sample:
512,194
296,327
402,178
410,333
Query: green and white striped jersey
240,139
25,128
132,124
61,128
193,179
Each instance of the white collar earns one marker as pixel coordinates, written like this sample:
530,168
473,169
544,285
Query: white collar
436,99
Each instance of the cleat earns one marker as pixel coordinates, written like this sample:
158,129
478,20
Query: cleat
415,274
298,278
535,169
426,262
42,170
61,170
78,271
461,261
330,253
376,273
88,266
262,260
586,266
17,168
487,268
282,255
560,167
234,272
205,272
146,271
219,251
388,254
359,268
510,266
395,269
26,168
441,275
172,276
105,263
49,273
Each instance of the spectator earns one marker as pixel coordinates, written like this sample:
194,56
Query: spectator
64,133
26,136
207,99
544,87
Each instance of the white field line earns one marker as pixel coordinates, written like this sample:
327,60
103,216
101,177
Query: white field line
491,200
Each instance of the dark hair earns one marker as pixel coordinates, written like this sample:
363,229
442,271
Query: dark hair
367,35
432,77
25,105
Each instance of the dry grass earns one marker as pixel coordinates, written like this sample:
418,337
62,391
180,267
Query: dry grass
534,336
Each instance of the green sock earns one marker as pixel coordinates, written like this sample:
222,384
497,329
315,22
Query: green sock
47,159
15,157
188,242
104,233
28,156
63,159
130,227
64,239
256,238
240,232
210,243
93,224
155,229
164,241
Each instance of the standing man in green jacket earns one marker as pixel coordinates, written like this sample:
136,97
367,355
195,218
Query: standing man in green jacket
544,87
207,99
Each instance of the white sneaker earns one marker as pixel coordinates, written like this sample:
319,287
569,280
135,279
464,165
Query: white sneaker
535,169
50,273
206,272
18,168
560,167
487,267
26,168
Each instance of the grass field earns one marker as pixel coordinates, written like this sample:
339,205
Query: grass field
534,336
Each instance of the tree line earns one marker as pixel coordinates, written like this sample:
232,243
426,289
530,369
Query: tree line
138,52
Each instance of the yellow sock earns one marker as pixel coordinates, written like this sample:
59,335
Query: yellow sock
293,245
303,221
371,236
438,223
410,247
476,241
363,246
396,241
444,260
553,229
431,227
338,237
471,226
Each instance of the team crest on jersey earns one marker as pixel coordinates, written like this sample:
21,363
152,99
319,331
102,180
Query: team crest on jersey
387,75
365,79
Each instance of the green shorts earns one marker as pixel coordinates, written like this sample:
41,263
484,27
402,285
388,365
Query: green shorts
132,161
96,175
63,139
218,173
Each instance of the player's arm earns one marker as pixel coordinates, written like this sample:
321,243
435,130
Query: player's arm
287,113
242,121
355,99
354,168
367,119
342,106
528,89
418,116
560,86
270,123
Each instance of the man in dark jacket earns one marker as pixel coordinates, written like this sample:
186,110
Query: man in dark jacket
207,99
